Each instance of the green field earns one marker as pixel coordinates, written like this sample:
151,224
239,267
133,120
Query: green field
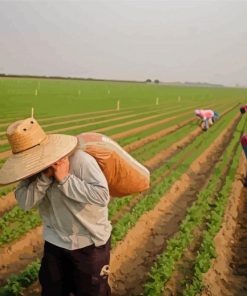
59,97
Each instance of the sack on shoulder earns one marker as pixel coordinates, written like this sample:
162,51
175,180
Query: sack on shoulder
123,173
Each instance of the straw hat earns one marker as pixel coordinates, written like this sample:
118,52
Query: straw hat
33,150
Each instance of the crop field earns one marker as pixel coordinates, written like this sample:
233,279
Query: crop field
186,235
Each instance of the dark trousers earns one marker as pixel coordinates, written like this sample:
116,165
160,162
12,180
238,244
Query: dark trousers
82,272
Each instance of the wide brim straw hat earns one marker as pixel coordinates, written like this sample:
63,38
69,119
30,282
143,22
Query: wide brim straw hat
32,150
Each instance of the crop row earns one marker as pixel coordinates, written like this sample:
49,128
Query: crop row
199,211
207,250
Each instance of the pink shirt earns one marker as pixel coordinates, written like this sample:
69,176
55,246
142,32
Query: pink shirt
207,113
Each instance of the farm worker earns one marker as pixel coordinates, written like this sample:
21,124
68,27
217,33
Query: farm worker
243,142
243,109
72,195
207,116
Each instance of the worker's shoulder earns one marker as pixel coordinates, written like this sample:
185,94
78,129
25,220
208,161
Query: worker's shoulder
80,155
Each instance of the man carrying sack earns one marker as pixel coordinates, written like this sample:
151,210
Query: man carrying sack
72,195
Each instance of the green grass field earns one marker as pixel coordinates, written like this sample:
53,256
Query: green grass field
59,97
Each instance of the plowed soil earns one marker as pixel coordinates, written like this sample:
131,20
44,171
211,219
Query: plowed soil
228,275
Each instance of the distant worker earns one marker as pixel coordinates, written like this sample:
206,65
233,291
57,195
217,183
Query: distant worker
243,109
243,142
207,117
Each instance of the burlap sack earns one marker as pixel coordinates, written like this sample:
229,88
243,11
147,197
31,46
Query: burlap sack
124,174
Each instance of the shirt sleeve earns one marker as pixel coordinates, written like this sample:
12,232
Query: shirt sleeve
86,182
30,194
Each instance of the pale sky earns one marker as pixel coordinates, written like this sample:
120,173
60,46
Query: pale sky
183,40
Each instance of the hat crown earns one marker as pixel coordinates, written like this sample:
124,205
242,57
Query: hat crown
25,134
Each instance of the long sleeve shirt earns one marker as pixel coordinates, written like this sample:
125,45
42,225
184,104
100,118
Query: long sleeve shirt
206,114
74,211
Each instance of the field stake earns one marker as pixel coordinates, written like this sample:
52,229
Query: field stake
36,92
118,105
32,112
157,101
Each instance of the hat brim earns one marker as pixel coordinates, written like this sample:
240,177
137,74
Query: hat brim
32,161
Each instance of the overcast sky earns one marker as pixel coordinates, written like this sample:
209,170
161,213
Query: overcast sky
183,40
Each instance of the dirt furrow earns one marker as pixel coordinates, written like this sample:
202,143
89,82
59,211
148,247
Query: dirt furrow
7,202
16,255
131,259
228,274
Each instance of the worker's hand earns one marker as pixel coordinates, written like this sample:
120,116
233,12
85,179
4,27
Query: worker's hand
61,169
